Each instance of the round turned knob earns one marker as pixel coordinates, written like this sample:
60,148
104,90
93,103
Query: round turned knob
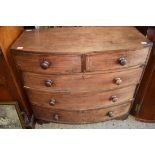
44,64
110,114
114,98
48,83
56,117
122,61
118,81
52,102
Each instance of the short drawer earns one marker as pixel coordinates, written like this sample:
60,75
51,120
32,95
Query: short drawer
44,63
81,101
82,82
115,59
89,116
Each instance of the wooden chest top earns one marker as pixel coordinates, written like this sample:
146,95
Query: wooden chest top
80,40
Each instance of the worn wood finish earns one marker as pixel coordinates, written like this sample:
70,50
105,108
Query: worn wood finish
57,63
73,63
81,100
89,116
80,40
82,81
144,109
81,77
110,60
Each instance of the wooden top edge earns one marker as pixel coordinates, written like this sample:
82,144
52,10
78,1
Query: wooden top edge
80,40
14,51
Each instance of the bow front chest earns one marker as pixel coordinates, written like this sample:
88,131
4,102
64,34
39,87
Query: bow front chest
81,74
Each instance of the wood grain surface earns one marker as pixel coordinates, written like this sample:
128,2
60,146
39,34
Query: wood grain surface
80,39
70,74
144,105
89,116
57,63
109,60
81,100
82,81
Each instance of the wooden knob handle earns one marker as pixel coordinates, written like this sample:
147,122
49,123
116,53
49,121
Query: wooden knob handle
110,114
118,81
48,83
114,98
44,64
122,61
56,117
52,102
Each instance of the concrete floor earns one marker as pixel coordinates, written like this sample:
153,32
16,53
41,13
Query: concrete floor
129,123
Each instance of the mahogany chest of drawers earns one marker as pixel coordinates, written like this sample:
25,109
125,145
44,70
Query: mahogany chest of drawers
81,74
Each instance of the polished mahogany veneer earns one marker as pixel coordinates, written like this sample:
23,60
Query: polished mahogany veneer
81,74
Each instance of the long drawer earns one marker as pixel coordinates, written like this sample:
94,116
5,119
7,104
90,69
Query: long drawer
81,101
82,82
47,64
115,59
88,116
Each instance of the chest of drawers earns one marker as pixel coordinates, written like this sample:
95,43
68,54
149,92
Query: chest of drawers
81,74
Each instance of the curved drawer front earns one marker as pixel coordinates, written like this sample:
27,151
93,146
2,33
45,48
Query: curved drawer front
115,60
81,101
88,116
82,82
46,64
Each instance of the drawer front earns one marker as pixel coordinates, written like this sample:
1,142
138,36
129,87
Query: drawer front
81,101
115,60
82,82
88,116
41,63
